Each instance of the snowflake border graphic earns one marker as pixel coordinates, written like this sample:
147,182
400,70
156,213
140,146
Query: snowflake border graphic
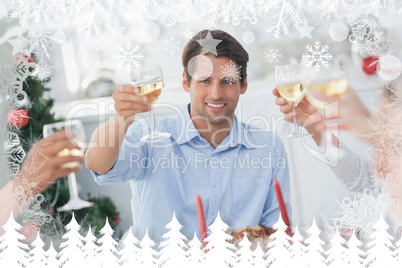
231,70
368,37
12,154
45,71
317,56
284,14
42,42
273,55
86,56
128,56
362,211
172,46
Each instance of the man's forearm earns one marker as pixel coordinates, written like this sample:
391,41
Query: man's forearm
105,144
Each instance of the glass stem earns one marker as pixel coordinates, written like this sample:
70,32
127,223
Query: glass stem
296,119
323,140
72,186
152,130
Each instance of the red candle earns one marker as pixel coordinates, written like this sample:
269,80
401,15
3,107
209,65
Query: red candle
201,219
282,206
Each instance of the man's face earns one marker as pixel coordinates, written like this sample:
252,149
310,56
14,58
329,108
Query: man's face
214,95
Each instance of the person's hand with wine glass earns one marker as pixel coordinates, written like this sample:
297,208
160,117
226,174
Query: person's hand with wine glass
128,103
351,109
40,169
107,139
309,117
291,83
43,165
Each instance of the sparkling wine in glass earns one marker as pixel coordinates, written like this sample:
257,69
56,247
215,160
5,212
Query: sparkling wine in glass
325,89
76,127
150,81
290,82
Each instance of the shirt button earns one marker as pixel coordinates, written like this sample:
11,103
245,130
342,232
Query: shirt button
215,184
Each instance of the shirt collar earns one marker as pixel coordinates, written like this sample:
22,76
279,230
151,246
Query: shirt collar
185,128
186,131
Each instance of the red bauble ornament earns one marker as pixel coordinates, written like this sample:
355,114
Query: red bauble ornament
370,64
18,118
116,219
29,58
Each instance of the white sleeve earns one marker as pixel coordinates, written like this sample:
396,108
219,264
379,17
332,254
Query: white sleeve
354,171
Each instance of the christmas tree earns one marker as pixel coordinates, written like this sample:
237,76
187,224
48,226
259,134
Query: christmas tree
107,248
380,247
314,246
297,249
129,254
31,109
398,252
354,253
244,253
72,248
11,245
220,252
52,256
38,254
259,260
35,111
279,254
195,255
336,254
91,250
173,248
147,255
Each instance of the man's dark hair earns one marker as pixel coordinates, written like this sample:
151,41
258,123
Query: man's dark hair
229,47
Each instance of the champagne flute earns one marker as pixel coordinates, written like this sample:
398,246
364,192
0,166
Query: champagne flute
76,127
150,81
290,82
325,89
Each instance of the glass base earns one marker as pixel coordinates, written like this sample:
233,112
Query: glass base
331,156
297,134
155,136
75,204
335,121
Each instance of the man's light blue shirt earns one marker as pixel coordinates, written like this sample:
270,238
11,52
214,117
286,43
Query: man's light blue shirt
236,178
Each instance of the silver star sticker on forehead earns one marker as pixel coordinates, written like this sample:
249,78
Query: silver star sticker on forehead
209,44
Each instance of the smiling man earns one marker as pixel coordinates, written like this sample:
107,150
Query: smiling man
214,95
231,165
